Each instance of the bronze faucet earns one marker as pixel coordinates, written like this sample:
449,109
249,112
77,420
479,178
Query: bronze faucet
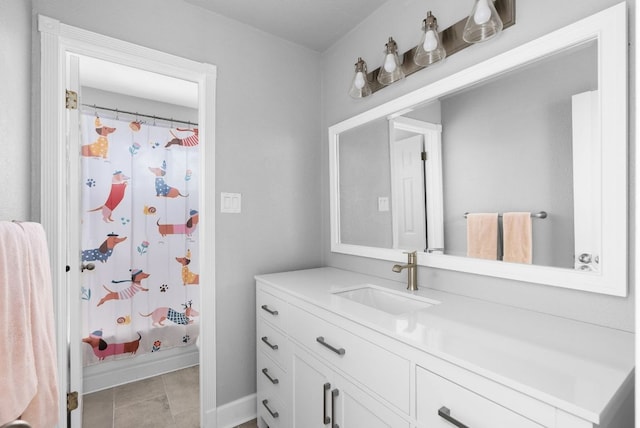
412,270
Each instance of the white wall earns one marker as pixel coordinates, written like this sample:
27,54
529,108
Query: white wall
402,20
267,144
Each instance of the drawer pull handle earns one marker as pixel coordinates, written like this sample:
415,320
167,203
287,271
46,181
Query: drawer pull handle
445,413
339,351
265,339
266,308
273,414
325,419
273,380
334,394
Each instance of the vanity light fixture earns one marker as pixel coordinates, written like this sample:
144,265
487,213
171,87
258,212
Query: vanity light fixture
430,49
487,19
391,69
360,85
483,23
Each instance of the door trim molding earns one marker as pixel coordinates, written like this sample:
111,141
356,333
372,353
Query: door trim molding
57,40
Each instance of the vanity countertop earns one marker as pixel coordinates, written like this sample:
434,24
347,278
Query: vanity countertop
571,365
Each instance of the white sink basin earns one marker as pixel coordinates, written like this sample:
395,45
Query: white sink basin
386,300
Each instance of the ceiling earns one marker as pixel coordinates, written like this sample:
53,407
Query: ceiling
316,24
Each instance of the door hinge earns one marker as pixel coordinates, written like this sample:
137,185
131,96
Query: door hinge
72,401
424,156
71,100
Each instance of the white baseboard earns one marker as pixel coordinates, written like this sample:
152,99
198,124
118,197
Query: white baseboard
237,412
113,373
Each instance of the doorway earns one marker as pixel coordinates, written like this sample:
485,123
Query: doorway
61,185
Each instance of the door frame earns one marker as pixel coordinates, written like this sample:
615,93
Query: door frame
59,185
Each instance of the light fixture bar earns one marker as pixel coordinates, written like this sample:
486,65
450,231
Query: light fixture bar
451,40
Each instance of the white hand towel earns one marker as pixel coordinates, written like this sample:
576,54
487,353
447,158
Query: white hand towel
482,235
517,236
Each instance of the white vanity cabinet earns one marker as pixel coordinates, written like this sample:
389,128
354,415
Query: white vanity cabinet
326,362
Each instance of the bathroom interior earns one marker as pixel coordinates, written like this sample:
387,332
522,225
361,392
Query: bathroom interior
305,225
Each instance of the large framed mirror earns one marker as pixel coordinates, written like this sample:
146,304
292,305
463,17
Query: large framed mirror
541,129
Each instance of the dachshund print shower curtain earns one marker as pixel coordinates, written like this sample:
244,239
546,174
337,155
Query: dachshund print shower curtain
139,238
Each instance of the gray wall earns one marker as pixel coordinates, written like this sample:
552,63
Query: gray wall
15,117
402,21
364,176
267,144
101,98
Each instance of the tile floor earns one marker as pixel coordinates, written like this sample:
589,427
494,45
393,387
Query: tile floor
167,401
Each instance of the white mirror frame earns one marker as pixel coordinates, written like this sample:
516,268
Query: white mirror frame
609,28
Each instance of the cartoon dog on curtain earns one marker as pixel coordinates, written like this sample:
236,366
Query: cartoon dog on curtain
116,195
100,147
105,250
137,275
102,349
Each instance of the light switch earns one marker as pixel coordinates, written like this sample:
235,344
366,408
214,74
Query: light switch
230,202
383,203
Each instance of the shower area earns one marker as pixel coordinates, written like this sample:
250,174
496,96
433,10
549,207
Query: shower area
139,231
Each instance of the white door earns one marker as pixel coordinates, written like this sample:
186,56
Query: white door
407,183
587,179
74,174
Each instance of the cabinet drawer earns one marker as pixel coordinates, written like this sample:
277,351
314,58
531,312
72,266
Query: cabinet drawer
273,343
385,373
272,309
271,378
436,394
272,410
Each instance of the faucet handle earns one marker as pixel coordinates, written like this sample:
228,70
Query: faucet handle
412,255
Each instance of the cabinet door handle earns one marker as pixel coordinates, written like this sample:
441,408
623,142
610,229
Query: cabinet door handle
266,308
273,381
339,351
334,394
445,413
265,339
273,414
325,419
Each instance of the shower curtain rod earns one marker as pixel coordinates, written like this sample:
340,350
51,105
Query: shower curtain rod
95,107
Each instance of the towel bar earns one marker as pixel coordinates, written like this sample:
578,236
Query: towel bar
541,214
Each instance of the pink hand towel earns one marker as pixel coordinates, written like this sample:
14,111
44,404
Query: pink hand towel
18,383
28,363
42,411
482,235
517,236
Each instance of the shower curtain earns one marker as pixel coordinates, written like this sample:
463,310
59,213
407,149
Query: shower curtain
139,237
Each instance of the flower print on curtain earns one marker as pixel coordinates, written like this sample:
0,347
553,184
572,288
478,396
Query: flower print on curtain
140,230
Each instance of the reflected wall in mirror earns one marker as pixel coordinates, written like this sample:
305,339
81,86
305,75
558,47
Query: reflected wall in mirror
540,128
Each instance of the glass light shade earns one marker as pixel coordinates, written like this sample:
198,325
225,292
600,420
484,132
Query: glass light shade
360,85
430,49
483,23
391,69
